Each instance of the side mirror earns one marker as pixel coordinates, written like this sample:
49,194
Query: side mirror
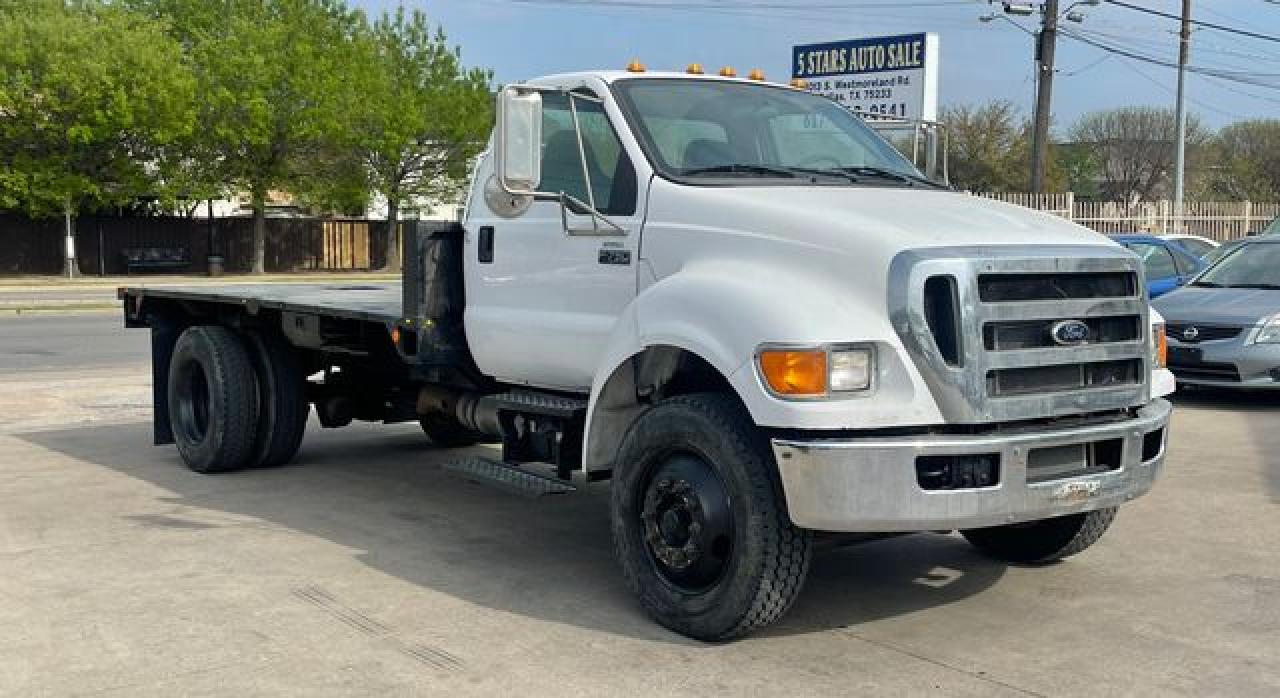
518,140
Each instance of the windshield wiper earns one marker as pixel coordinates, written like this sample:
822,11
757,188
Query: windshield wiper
873,171
1265,287
824,172
1206,284
740,168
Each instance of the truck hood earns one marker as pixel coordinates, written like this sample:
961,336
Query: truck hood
863,221
1223,306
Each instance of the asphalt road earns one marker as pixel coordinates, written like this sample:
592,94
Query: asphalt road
56,341
365,569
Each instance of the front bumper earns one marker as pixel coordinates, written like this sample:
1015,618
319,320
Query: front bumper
871,484
1230,363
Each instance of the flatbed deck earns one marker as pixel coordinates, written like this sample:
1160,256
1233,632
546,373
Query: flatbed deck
380,302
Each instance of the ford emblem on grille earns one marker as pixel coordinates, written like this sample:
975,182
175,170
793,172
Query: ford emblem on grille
1191,333
1070,332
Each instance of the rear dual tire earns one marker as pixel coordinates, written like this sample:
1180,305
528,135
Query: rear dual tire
235,402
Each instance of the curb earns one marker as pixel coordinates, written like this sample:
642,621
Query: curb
70,308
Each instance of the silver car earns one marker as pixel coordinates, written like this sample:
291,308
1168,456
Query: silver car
1224,326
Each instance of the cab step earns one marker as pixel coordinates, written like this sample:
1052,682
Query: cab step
528,402
487,471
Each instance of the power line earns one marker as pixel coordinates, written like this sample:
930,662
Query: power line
1256,79
1202,47
1131,66
1090,66
1197,22
1218,82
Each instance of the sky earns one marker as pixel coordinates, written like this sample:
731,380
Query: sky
520,39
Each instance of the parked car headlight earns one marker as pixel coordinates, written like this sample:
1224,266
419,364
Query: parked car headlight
1270,332
816,372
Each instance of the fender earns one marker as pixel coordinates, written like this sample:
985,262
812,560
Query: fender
721,310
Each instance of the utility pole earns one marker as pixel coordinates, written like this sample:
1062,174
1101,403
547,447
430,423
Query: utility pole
1046,43
1180,153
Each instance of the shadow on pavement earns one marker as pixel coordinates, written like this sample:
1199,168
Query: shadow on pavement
380,491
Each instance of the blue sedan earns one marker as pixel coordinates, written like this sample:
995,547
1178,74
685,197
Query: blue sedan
1167,264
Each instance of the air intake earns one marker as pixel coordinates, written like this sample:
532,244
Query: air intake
942,313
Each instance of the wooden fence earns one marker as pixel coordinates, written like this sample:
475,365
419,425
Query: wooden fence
292,244
1216,220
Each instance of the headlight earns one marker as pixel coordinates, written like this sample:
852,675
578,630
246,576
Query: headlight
816,372
1270,332
1159,345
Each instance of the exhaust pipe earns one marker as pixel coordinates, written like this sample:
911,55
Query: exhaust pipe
475,411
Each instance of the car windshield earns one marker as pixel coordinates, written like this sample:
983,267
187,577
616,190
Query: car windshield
1273,228
718,129
1251,265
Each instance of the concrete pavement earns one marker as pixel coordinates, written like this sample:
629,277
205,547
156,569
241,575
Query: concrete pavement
366,569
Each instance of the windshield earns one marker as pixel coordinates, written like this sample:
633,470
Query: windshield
1254,265
1273,228
716,129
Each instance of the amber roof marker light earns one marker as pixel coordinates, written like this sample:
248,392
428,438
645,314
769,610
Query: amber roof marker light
635,66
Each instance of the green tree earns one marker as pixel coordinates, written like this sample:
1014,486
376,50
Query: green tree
90,97
989,148
1246,158
271,76
417,117
1134,149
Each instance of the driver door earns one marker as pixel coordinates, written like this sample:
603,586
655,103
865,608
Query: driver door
542,301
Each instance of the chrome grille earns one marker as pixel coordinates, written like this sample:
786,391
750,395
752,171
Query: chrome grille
1032,334
998,360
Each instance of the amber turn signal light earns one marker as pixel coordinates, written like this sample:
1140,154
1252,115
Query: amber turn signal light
1162,345
795,373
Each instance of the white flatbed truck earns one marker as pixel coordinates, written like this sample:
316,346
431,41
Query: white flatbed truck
740,304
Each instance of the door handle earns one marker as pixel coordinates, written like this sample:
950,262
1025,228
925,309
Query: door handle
484,248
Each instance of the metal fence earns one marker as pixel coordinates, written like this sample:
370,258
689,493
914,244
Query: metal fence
292,244
1217,220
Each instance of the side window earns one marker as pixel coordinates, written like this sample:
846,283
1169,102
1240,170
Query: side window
1183,262
613,179
1156,260
1198,248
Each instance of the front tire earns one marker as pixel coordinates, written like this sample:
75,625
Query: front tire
213,399
699,523
1040,542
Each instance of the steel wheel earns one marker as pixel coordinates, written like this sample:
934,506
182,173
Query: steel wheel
687,523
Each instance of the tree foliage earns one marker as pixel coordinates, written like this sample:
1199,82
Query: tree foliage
272,75
419,117
1134,149
90,97
989,148
1246,161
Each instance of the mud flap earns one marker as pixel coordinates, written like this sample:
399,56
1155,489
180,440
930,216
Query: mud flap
164,335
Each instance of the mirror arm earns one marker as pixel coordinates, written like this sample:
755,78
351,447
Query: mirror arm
582,159
596,218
